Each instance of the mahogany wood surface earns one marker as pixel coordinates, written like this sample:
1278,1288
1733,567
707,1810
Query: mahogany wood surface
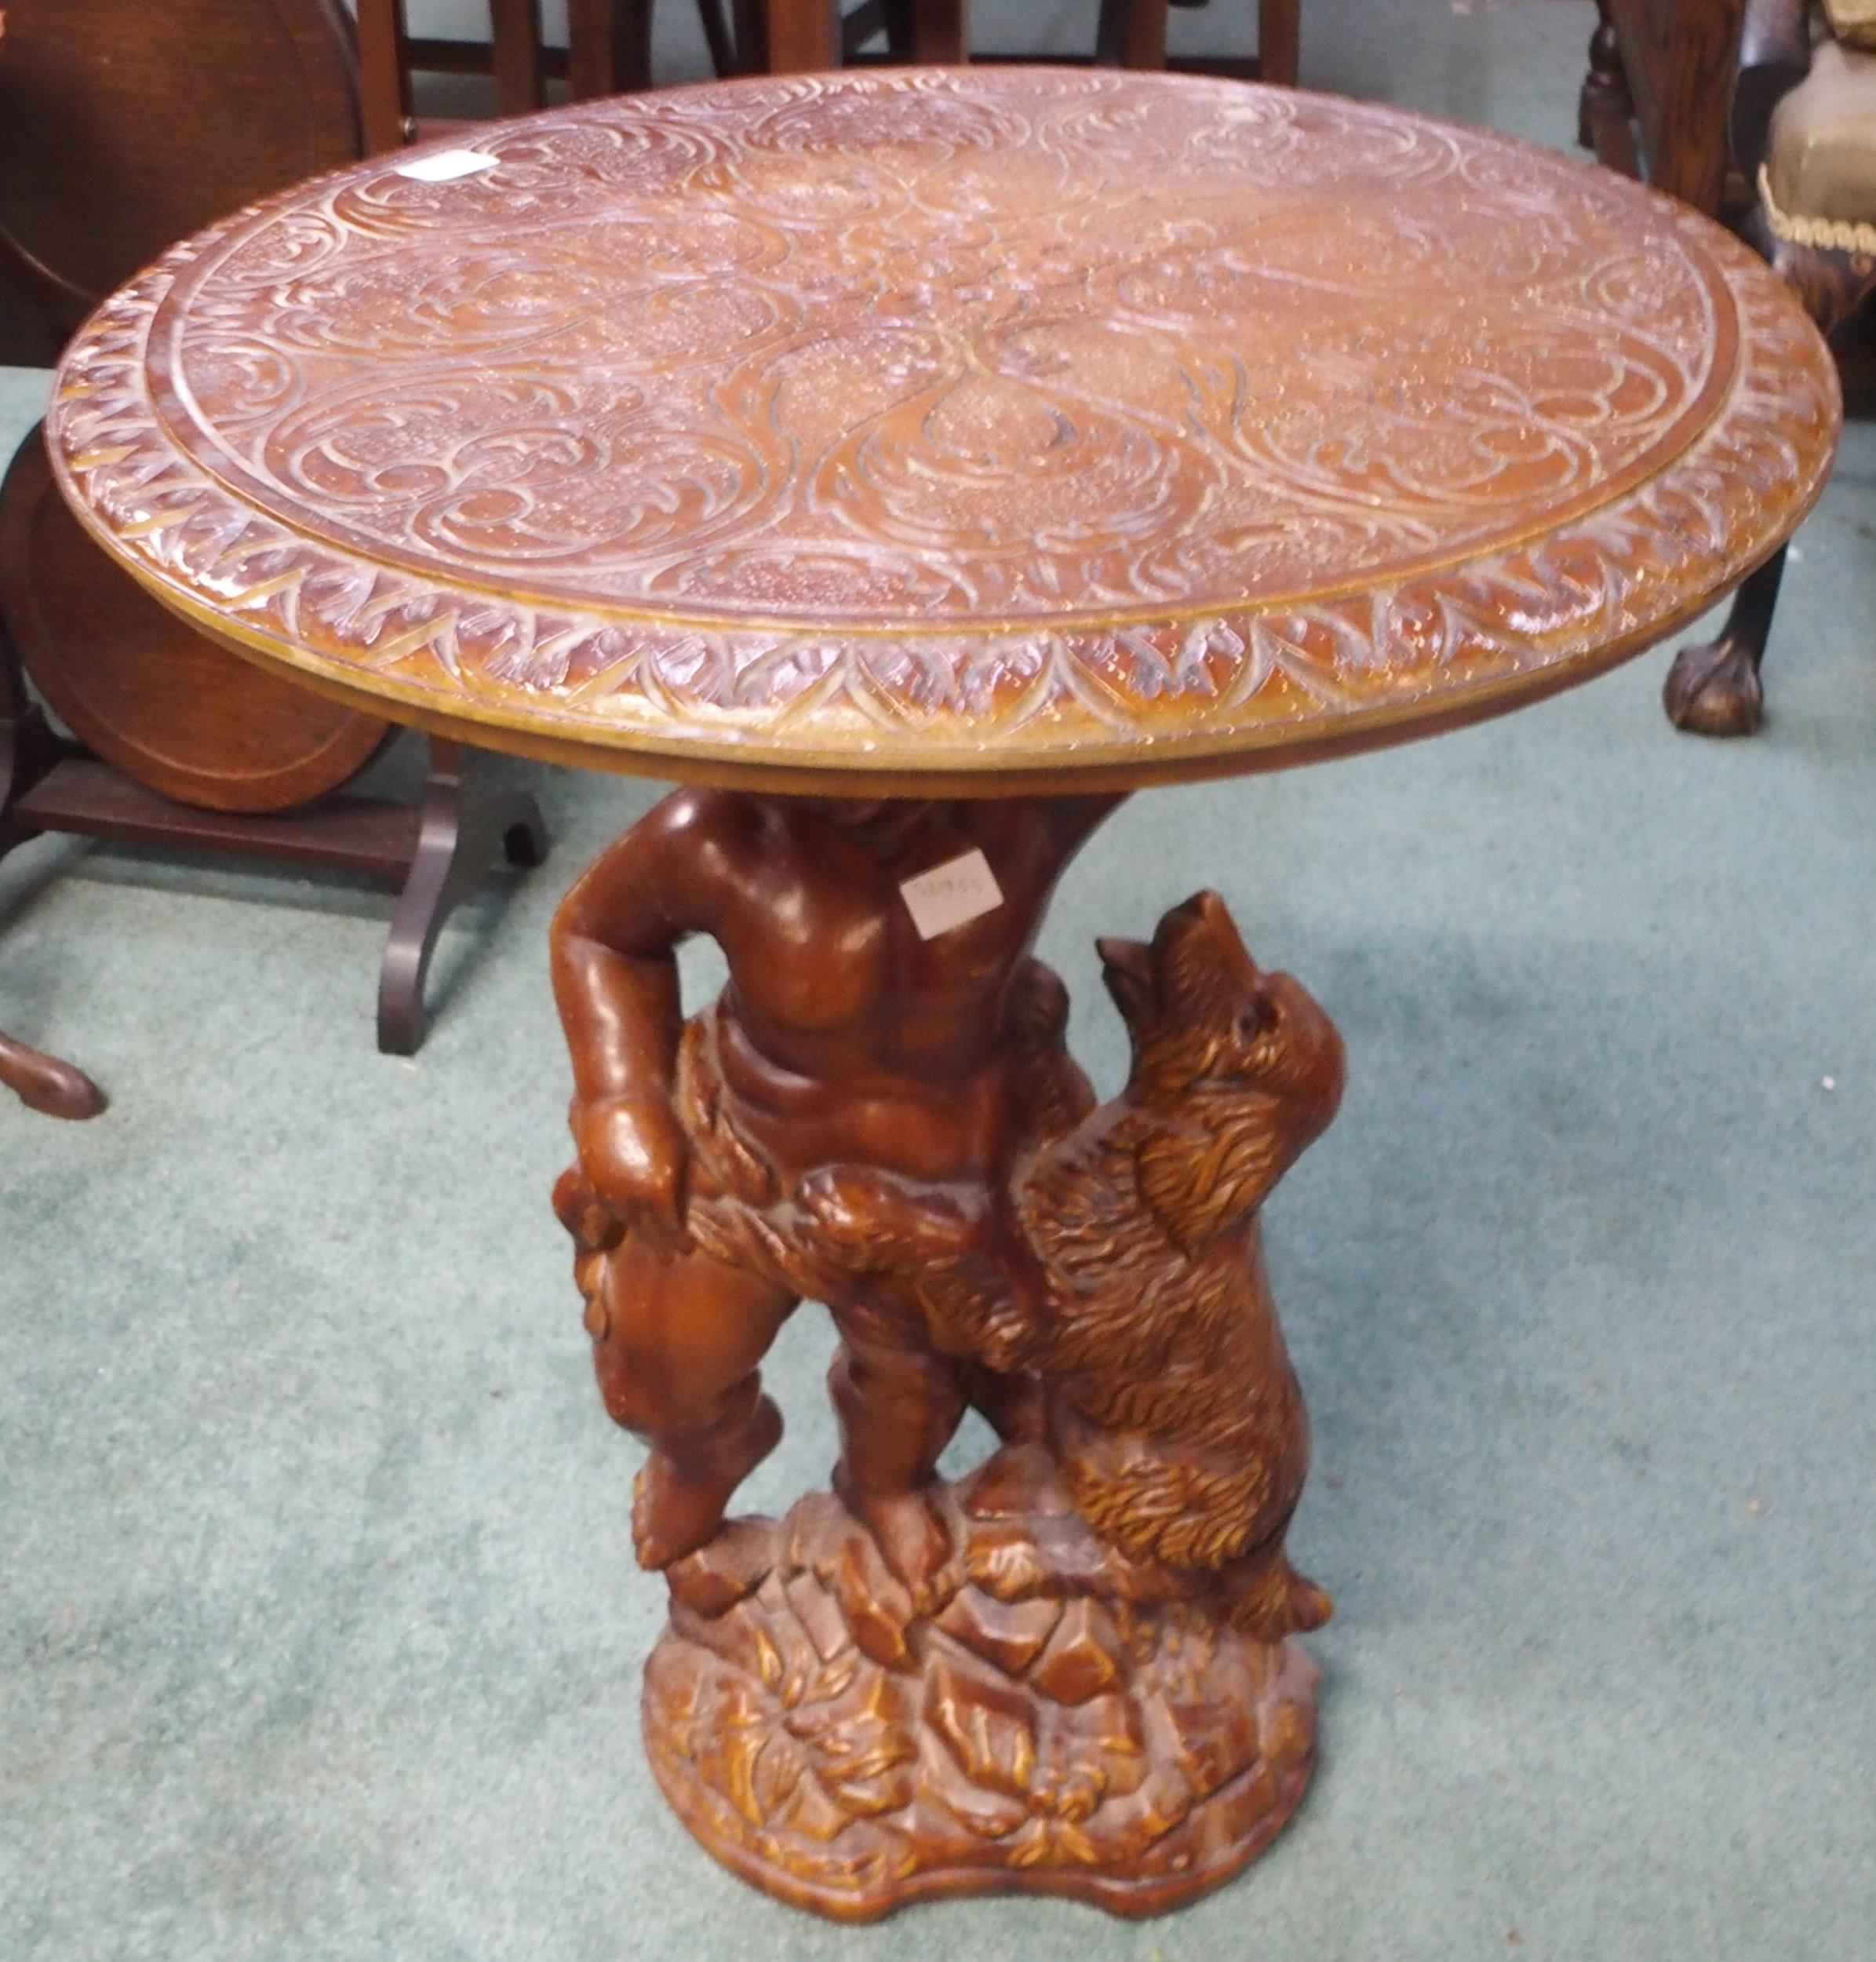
1191,452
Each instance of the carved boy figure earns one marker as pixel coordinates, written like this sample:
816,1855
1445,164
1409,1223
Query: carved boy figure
1068,1670
846,1037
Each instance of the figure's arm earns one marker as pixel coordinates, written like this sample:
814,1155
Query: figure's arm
612,951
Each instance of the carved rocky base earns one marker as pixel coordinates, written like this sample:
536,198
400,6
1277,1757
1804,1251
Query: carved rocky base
1048,1718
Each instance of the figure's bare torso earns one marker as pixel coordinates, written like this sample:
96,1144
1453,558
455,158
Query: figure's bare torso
846,1036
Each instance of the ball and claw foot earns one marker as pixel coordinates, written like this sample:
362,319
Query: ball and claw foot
1714,690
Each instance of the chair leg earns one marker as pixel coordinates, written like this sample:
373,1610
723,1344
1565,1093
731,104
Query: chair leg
43,1083
1714,688
1132,34
514,50
751,20
801,35
462,822
941,30
1279,41
608,46
724,59
1605,110
384,110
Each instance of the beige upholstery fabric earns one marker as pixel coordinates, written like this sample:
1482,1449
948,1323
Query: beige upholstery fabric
1853,21
1820,168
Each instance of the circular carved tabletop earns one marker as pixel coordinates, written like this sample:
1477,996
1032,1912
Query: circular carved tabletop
964,428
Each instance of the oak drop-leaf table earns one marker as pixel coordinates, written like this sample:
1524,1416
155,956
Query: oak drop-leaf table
914,463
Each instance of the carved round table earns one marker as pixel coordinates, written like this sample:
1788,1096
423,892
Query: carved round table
914,463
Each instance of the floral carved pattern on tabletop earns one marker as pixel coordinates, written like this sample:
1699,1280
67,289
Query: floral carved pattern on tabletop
875,416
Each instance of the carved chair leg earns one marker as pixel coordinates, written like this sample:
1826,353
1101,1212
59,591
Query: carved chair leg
463,821
1713,689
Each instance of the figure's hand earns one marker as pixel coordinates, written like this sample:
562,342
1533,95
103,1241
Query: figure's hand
873,1212
633,1152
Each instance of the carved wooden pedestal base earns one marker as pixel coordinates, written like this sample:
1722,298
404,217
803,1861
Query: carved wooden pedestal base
1052,1718
1070,1674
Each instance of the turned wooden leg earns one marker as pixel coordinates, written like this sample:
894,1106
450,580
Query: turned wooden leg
1713,688
463,822
801,35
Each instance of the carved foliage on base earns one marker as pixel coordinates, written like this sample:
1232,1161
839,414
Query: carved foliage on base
1057,1719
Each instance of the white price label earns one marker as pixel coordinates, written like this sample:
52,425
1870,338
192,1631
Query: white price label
442,166
952,894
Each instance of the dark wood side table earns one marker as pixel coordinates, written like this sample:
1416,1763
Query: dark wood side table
915,464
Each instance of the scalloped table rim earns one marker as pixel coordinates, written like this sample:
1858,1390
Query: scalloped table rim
1638,579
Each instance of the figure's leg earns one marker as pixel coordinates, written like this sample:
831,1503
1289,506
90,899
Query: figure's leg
1012,1405
899,1406
676,1347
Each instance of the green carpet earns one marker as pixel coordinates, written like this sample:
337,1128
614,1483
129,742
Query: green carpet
319,1631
